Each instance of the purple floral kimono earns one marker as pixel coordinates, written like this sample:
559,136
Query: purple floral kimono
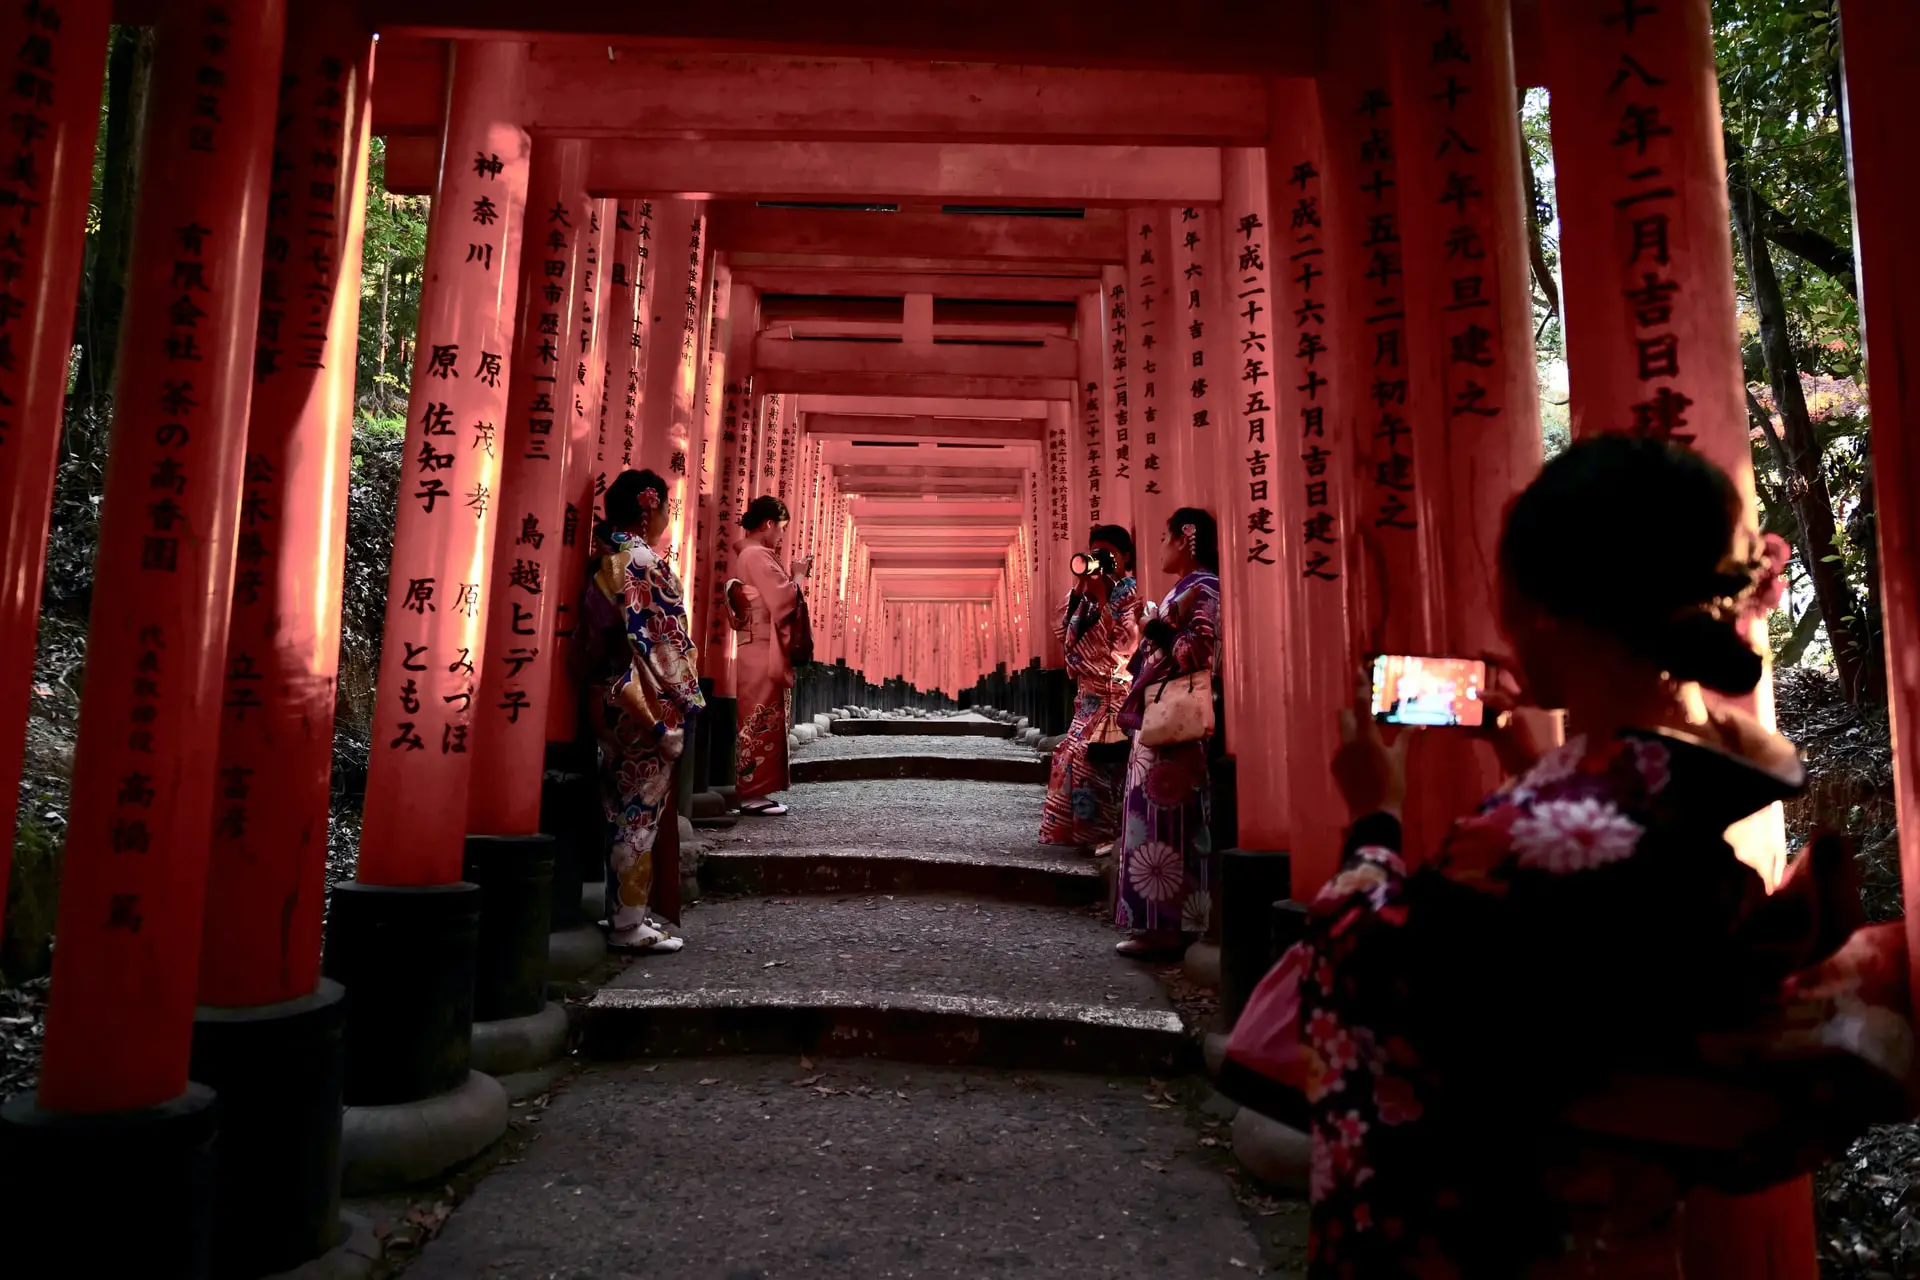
1164,842
1083,801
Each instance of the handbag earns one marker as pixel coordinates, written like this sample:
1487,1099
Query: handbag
1108,744
1265,1067
1180,710
800,631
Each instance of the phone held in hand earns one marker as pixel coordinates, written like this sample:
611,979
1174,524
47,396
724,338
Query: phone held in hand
1429,693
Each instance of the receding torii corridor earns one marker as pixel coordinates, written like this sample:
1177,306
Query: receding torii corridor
955,283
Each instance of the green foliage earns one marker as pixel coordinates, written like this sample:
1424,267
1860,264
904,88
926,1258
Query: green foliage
392,270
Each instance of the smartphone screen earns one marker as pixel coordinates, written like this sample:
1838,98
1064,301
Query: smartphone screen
1429,692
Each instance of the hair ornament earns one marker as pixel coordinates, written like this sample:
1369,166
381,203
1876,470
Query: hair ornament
1190,536
649,500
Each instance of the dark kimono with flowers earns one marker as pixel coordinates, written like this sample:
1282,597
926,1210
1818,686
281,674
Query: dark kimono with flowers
1519,1058
1083,799
1164,840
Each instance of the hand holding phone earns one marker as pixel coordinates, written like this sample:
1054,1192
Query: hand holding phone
1422,692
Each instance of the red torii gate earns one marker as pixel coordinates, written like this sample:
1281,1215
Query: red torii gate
1197,148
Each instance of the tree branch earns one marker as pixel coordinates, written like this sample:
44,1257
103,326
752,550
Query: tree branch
1809,246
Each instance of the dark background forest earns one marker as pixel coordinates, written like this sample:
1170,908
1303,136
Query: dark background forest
1808,412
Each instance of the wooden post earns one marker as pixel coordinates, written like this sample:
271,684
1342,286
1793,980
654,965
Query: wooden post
1152,321
46,219
417,783
140,820
1116,412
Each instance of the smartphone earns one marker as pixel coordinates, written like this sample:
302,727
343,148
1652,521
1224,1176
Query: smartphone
1429,692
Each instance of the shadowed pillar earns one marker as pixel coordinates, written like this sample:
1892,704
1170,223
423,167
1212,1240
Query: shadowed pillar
1883,46
1653,349
114,1092
1091,410
44,226
711,503
1314,481
1063,523
403,934
1469,347
667,397
1117,504
268,1035
1152,318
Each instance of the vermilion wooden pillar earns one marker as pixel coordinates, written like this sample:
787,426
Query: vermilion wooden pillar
710,501
605,334
1117,505
1653,348
1313,480
1150,333
1091,408
141,815
1061,530
266,878
1255,532
1469,348
1369,381
267,1037
46,218
434,643
1882,48
668,396
731,488
548,372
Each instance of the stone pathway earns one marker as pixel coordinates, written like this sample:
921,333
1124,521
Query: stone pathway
898,1043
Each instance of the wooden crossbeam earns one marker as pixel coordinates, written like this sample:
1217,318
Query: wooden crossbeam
747,233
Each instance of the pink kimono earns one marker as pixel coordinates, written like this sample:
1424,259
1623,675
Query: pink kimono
763,673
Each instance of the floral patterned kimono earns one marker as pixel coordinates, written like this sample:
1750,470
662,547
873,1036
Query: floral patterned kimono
645,692
1164,840
763,674
1083,800
1520,1057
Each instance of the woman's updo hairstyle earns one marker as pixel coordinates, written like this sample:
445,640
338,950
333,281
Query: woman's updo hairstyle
1206,535
1634,538
624,507
762,509
1114,536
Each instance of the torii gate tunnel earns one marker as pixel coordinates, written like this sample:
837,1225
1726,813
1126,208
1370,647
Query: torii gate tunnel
956,282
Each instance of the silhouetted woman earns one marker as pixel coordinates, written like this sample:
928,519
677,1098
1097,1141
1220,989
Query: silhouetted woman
1162,894
1101,627
763,658
644,694
1520,1056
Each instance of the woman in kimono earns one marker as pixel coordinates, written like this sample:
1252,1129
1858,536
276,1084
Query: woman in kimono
1162,895
1101,627
763,658
643,695
1521,1052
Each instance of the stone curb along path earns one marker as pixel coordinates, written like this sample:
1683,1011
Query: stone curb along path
897,1043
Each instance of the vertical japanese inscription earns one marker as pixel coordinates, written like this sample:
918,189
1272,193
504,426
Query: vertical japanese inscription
1384,315
1319,530
1249,250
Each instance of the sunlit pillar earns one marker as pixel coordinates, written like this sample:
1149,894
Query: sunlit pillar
1883,45
1154,318
714,500
1313,481
402,934
113,1091
1117,483
1653,348
62,63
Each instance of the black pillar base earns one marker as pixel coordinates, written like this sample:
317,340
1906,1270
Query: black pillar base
570,812
721,723
1251,881
278,1070
407,955
118,1193
515,875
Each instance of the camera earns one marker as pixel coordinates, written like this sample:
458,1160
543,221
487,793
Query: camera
1085,564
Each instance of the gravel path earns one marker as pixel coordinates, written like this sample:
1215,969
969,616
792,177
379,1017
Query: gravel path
894,815
888,744
763,1169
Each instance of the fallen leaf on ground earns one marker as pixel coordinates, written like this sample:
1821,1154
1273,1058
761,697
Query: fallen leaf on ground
807,1082
711,1080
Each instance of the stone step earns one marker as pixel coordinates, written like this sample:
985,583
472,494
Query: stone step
927,767
947,980
921,728
1040,874
770,1168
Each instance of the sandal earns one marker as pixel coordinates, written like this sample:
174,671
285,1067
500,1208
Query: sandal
763,809
643,940
1138,948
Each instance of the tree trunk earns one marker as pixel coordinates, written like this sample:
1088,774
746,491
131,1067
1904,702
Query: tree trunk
1804,629
382,395
103,297
1802,471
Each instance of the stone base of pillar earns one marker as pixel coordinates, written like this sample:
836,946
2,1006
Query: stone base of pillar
278,1071
515,875
721,723
1270,1151
574,953
510,1046
402,1144
707,804
570,812
116,1193
1251,881
407,955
